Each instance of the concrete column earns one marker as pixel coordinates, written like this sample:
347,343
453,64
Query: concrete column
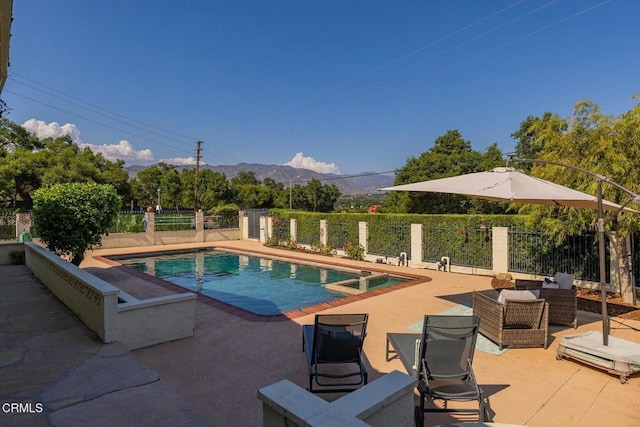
416,244
323,232
500,250
23,223
200,226
363,235
244,227
293,229
150,231
264,228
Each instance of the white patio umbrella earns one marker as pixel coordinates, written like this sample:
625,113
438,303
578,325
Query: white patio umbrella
509,185
506,184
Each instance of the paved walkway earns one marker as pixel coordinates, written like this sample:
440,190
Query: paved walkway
64,376
213,377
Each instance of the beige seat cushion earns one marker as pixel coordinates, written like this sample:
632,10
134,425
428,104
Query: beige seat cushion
564,280
506,294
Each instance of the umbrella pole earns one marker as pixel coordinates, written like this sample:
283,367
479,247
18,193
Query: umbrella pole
602,268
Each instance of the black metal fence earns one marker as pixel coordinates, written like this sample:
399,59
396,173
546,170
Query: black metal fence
531,252
7,224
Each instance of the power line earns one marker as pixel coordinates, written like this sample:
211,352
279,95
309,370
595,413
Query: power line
502,46
92,105
223,154
412,53
87,118
451,49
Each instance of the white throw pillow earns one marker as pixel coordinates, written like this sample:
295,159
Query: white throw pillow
506,294
550,285
564,280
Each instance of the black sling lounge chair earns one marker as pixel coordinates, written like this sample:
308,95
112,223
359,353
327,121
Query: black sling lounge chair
334,352
446,355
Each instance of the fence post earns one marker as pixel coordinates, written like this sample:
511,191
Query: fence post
150,229
266,226
244,225
293,229
500,249
416,245
200,226
363,235
323,232
23,223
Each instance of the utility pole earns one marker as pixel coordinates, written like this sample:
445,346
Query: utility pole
195,204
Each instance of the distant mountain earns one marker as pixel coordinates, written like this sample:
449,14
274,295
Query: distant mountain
362,183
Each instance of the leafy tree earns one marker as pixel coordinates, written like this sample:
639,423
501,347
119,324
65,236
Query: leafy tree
144,186
170,186
29,163
245,178
450,155
529,144
13,136
252,196
213,188
20,174
602,144
318,197
280,193
72,217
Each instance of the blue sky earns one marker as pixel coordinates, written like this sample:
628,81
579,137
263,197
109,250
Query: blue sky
336,86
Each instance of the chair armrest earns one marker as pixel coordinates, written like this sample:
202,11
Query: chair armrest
525,284
491,314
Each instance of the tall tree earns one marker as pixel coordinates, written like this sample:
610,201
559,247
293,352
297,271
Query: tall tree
144,186
13,135
245,178
450,155
602,144
528,144
318,197
213,188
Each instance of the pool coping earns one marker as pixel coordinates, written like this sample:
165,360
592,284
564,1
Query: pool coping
248,315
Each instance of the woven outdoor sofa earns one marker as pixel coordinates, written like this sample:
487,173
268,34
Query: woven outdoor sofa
513,323
563,303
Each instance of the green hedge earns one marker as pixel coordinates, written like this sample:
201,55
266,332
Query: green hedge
128,223
466,239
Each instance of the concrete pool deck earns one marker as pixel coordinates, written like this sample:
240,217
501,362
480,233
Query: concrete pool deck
213,377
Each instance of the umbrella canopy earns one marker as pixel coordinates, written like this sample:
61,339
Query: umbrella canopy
509,185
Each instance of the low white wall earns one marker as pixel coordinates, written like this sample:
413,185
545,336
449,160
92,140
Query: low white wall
135,323
123,240
127,240
93,300
155,320
387,401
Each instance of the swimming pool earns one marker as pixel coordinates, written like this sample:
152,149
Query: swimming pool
260,285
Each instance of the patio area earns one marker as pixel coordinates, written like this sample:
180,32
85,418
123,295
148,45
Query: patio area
213,377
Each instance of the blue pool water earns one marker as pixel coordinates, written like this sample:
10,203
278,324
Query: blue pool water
259,285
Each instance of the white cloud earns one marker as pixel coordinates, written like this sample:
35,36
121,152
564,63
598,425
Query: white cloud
120,151
180,161
302,162
43,130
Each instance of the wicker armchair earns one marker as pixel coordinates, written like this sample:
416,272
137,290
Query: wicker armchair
514,323
563,303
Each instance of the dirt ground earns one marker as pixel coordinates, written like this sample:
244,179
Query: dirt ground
589,300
